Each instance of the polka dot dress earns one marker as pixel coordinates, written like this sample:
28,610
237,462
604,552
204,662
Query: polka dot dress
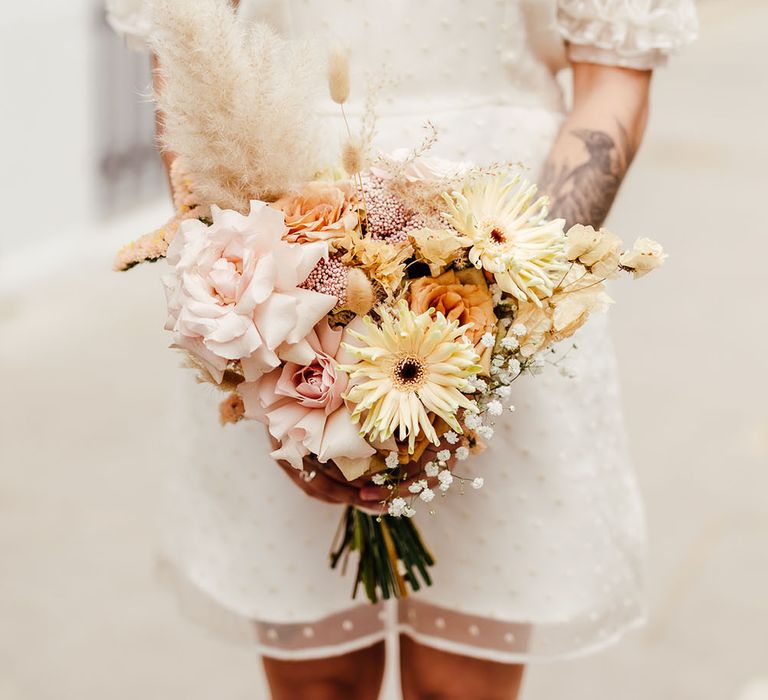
546,560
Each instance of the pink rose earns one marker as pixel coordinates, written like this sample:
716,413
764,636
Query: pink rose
317,385
303,408
233,293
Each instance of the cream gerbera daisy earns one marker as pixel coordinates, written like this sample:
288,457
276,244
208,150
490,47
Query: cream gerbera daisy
510,234
408,367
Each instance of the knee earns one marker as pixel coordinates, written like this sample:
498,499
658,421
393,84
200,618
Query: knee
356,676
325,690
430,674
464,692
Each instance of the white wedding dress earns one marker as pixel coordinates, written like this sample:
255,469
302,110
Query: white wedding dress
546,561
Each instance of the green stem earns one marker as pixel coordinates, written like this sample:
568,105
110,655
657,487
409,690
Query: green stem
379,554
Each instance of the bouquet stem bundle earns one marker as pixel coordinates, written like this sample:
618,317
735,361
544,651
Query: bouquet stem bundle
391,554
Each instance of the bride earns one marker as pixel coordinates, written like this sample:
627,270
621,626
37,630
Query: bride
546,564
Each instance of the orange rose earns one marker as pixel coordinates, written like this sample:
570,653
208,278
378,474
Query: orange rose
319,211
460,296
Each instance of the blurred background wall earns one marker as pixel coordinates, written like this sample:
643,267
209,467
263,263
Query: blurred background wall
76,124
86,381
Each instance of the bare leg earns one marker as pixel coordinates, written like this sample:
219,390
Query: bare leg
429,674
356,676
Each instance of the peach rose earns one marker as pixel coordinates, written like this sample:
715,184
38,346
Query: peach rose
460,296
319,211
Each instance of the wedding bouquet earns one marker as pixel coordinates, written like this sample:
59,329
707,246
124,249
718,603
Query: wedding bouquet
372,312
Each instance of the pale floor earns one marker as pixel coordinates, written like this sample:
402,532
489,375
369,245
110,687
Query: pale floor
85,377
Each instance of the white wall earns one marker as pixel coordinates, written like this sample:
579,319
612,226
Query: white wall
47,77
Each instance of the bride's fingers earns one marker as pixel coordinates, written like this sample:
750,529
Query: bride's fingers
326,489
333,472
295,477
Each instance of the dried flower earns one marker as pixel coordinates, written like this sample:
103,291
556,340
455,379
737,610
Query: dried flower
561,315
352,157
438,248
360,294
154,246
330,276
386,215
382,261
646,255
239,103
231,409
580,240
572,308
338,75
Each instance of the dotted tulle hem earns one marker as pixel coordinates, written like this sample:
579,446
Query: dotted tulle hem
362,625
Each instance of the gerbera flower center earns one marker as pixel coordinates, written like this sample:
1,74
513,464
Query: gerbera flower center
494,231
497,235
409,372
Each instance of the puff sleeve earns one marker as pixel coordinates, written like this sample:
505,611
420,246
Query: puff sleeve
131,19
637,34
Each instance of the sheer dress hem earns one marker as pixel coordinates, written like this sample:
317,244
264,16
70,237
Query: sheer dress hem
363,625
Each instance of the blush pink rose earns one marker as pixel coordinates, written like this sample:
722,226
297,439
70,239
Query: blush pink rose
303,408
317,385
233,292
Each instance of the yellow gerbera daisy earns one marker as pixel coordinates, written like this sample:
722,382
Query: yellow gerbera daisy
510,234
408,367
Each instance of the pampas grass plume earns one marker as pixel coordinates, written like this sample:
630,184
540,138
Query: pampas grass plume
338,74
239,102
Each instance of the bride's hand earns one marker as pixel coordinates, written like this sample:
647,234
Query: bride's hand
327,484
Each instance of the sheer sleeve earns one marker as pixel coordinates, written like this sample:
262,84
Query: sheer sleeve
130,19
631,33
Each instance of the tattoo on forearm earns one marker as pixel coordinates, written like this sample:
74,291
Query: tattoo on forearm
583,194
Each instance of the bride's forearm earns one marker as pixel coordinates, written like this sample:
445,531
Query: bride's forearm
597,142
